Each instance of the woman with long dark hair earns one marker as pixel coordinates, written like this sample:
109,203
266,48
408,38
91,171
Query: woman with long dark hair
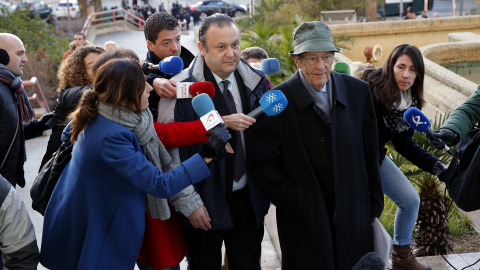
397,86
95,218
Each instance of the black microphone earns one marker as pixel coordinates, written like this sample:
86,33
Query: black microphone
370,261
418,121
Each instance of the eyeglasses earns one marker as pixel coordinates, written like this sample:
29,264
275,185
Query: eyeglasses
313,60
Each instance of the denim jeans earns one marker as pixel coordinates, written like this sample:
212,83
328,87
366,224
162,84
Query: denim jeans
397,187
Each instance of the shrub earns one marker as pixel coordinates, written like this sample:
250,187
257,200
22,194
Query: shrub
44,48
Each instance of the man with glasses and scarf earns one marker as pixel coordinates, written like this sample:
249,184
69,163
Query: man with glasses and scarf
317,159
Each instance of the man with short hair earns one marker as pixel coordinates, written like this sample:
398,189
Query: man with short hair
234,204
162,32
18,244
254,56
79,40
318,160
16,113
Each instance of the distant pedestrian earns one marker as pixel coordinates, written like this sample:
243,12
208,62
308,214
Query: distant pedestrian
110,45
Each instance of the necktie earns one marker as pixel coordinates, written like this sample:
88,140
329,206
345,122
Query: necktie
239,167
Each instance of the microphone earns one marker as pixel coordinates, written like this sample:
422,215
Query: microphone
189,89
370,261
170,65
203,106
270,66
418,121
210,118
341,67
271,103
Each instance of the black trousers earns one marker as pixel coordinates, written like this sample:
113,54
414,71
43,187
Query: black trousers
243,243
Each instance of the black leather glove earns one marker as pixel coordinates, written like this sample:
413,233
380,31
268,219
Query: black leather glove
46,121
444,135
214,147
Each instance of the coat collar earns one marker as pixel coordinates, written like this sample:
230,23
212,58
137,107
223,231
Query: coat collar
303,98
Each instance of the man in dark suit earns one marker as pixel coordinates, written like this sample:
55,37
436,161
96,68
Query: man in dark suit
318,159
235,205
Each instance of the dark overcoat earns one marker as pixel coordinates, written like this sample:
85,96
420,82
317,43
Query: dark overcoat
302,162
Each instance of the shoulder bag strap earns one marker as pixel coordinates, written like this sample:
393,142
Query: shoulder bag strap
10,147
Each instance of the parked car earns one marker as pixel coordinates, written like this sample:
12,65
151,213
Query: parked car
5,7
35,7
62,9
209,7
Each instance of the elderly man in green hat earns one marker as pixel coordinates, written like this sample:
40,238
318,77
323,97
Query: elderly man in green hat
317,160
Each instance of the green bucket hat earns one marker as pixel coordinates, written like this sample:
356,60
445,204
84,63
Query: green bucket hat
312,37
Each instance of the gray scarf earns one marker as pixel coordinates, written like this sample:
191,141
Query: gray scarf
152,147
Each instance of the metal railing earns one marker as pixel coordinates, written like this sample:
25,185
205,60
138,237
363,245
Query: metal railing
38,96
112,16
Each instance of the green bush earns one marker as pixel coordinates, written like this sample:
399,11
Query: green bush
44,48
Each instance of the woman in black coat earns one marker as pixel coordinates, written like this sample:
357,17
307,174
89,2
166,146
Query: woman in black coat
397,86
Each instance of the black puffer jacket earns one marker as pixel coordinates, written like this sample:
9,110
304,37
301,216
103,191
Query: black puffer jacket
67,101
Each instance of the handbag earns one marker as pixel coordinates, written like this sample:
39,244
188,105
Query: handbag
47,178
462,178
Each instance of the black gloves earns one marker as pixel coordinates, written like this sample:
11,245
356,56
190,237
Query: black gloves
444,135
215,145
46,121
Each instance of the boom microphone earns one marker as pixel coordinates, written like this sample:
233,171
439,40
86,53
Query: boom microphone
170,65
418,121
270,66
271,103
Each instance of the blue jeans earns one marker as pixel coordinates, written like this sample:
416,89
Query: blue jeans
397,187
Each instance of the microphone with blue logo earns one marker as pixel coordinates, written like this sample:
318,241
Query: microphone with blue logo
418,121
170,65
271,103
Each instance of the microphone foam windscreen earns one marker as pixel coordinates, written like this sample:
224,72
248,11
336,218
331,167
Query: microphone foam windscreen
270,66
202,87
341,67
171,65
273,102
370,261
202,104
416,119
